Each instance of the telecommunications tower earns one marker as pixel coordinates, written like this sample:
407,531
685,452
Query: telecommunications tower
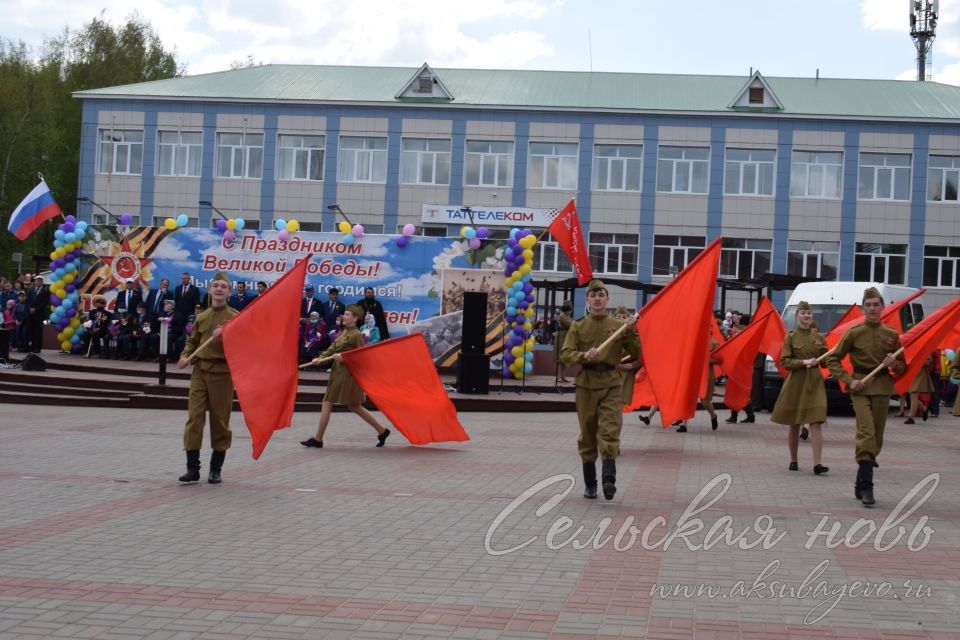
923,29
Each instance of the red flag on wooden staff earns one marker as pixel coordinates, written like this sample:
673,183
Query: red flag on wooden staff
772,341
643,395
400,378
851,314
921,340
566,230
674,330
736,357
261,349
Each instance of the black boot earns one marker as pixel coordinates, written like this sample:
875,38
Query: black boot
216,464
589,480
193,467
609,478
858,484
866,483
733,417
750,415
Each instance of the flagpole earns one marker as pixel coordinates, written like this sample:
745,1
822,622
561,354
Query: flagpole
876,371
317,361
547,230
828,353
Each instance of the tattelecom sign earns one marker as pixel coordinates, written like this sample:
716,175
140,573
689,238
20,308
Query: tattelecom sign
486,216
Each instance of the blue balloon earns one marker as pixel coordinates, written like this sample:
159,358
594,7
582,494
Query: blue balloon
528,356
58,234
527,367
81,225
511,311
58,243
69,237
78,234
950,353
70,267
279,224
348,239
182,220
74,338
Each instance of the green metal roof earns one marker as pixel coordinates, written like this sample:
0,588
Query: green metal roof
564,90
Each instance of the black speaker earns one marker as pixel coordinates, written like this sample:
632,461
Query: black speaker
473,334
5,343
474,373
33,362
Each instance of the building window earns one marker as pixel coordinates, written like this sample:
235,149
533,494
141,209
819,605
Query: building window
311,226
550,257
191,222
683,169
102,219
884,176
749,172
617,167
489,164
813,259
121,151
614,253
249,224
362,159
239,155
300,157
744,258
179,153
425,161
755,95
943,175
430,231
816,174
552,165
672,253
880,263
941,266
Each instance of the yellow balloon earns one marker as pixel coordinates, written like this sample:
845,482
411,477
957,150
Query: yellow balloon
231,224
527,326
74,322
292,225
528,312
517,352
67,332
59,253
66,345
170,223
345,227
68,278
524,268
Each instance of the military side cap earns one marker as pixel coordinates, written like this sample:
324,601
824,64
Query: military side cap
222,277
356,310
803,305
567,305
596,285
621,311
872,292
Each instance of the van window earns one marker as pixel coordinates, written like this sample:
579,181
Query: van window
825,315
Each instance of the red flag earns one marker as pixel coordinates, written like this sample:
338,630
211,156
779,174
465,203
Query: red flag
950,341
851,317
889,317
675,330
401,379
261,349
851,314
922,339
566,230
643,395
772,341
736,357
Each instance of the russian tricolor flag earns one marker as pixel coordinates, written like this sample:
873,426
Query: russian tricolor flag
36,208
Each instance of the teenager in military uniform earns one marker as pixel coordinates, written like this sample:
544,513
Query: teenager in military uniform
211,387
599,386
341,387
870,345
628,365
803,398
564,320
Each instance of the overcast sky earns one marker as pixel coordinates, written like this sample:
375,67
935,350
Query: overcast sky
841,38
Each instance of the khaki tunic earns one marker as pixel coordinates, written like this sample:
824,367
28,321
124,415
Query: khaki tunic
803,398
564,320
922,383
211,387
629,377
868,344
955,373
599,384
341,387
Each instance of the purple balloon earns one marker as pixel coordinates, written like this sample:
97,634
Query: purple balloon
70,288
126,219
518,331
72,311
221,225
508,357
483,232
68,227
71,219
475,243
60,227
54,300
403,241
527,287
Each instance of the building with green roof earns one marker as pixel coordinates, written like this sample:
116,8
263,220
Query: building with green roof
814,177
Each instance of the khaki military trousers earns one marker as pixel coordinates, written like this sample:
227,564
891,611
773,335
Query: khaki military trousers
871,420
599,411
213,392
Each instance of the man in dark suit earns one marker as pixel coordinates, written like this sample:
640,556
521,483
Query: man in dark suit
309,303
156,297
241,298
39,311
370,304
127,299
186,297
332,308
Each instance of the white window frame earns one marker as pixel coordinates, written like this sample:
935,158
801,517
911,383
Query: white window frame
362,159
753,246
245,160
614,167
686,165
948,167
552,165
681,253
433,159
613,251
817,250
877,174
751,173
294,153
879,260
178,158
551,258
487,160
951,260
811,169
121,151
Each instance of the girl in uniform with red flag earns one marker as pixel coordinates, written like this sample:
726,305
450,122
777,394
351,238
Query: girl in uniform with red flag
803,399
341,387
920,389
